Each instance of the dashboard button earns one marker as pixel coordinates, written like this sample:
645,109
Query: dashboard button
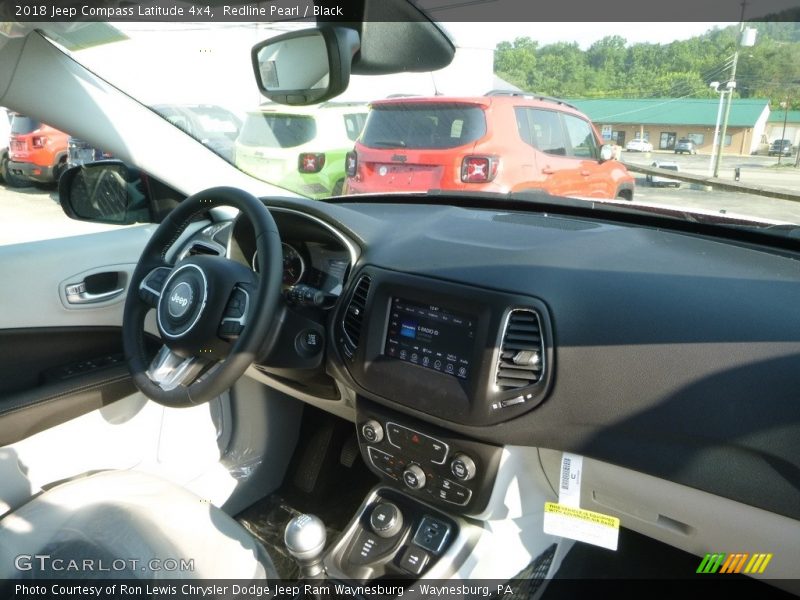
454,493
414,560
386,520
463,467
414,477
372,431
420,446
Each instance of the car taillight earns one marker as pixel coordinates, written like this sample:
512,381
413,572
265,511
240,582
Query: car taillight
38,141
310,162
478,169
351,163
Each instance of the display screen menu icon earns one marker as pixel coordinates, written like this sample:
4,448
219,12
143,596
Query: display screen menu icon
431,337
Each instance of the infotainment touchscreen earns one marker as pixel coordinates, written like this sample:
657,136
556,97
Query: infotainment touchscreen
430,336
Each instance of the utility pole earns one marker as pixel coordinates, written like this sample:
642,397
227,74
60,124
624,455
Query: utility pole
783,133
730,95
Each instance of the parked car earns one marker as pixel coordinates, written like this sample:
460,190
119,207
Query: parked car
214,126
5,134
494,143
37,152
658,180
303,149
638,145
780,148
80,152
685,146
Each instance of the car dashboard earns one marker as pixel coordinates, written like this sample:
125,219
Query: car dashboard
452,334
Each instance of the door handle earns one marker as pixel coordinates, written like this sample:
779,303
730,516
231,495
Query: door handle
77,294
548,171
586,173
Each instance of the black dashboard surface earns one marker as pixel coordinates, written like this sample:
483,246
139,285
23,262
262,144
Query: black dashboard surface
676,355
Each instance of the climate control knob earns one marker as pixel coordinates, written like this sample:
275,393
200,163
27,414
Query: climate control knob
414,477
372,431
462,467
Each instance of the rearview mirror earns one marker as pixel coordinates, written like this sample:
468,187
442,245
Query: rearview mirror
606,152
104,192
307,66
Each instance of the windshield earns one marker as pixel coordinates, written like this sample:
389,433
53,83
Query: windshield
521,109
277,130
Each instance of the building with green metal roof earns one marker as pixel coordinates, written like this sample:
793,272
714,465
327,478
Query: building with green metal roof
663,121
776,129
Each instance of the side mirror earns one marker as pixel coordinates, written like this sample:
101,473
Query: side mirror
104,192
307,66
606,152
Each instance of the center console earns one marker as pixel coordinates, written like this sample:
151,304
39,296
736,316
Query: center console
463,354
429,463
417,350
430,476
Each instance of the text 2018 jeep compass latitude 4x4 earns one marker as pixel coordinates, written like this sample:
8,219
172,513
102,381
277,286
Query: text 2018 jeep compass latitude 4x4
494,143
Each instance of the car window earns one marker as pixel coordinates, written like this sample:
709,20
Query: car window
20,125
542,129
277,130
433,125
581,137
354,124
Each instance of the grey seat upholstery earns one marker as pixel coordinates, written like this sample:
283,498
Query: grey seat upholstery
133,524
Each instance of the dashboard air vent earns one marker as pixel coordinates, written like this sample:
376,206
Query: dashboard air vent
354,314
521,351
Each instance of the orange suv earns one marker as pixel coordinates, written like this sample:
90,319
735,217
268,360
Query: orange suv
36,152
501,142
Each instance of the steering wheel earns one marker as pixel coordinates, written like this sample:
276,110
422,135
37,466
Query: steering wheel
213,314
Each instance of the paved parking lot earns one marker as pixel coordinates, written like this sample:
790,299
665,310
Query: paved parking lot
755,170
33,213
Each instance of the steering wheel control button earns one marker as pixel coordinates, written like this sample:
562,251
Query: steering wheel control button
463,467
235,316
414,477
386,520
309,342
431,534
372,431
414,560
152,285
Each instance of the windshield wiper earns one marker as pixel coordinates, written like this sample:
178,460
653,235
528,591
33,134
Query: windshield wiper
387,143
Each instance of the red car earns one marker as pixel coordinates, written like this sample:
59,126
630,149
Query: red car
36,152
501,142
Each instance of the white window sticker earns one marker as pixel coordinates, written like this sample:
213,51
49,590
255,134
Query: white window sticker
569,489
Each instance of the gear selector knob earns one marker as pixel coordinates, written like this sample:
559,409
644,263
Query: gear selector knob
305,537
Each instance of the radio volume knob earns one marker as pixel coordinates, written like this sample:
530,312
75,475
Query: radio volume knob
414,477
463,467
372,431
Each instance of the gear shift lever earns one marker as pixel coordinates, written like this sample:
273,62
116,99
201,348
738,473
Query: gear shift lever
305,540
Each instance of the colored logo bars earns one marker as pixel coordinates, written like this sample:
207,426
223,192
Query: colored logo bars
738,562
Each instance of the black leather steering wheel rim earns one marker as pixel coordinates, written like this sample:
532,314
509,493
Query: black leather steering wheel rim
245,348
